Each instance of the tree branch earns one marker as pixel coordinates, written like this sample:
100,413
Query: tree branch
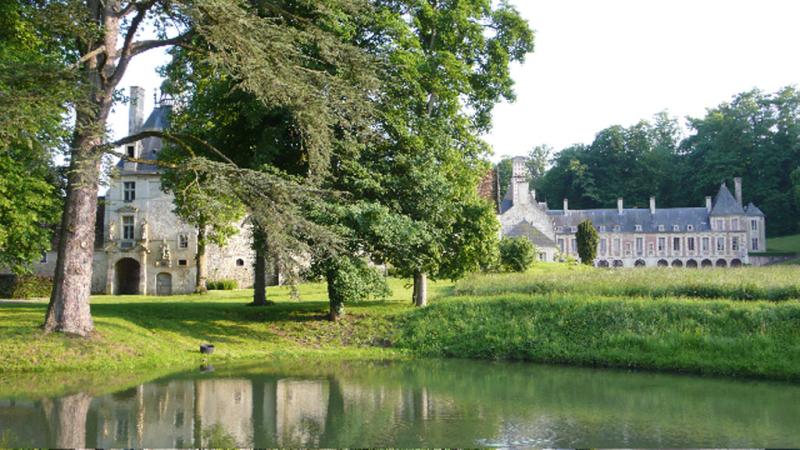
143,46
178,139
89,56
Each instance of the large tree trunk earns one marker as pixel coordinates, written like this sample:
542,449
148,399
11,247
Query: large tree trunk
420,289
334,298
202,263
66,420
260,267
68,311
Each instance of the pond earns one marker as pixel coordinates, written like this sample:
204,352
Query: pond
412,404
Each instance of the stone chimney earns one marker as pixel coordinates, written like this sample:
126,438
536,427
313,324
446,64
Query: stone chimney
653,206
566,206
620,206
136,109
708,204
738,189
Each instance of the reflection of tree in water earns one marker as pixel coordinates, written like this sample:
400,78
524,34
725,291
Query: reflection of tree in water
66,419
215,436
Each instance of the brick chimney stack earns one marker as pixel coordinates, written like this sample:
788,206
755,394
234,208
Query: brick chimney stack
136,109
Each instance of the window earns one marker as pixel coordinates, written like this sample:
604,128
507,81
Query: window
689,227
573,246
573,229
602,228
182,262
755,244
183,241
651,249
561,245
617,228
129,191
754,224
676,244
735,244
662,243
239,262
735,224
720,244
603,247
676,228
690,244
719,224
617,246
627,249
638,228
127,228
639,246
131,151
705,244
559,229
661,228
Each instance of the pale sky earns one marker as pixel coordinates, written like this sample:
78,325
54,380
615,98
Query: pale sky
603,62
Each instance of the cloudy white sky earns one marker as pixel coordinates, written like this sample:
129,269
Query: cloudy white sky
604,62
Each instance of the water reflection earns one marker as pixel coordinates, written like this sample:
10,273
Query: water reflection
457,403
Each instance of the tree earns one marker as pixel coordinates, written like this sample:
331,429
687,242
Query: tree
587,239
447,66
504,171
538,160
516,254
96,42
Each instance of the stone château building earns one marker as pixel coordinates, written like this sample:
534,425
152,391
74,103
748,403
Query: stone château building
141,246
722,233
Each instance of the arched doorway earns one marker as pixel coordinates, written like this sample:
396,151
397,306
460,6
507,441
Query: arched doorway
692,264
736,263
164,284
602,264
618,263
706,263
722,263
639,263
126,276
677,263
663,263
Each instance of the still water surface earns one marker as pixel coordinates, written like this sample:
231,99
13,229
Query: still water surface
407,404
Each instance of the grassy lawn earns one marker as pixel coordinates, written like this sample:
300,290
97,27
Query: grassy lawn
784,244
138,332
739,322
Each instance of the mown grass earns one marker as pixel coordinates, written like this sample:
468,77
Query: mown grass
757,339
137,332
789,244
749,283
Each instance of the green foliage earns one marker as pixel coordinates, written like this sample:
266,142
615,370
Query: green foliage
504,170
222,285
352,280
749,283
516,254
25,286
587,239
709,337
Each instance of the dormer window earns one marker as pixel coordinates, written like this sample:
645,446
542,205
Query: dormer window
689,227
573,229
559,229
676,228
617,228
130,151
602,228
661,228
638,228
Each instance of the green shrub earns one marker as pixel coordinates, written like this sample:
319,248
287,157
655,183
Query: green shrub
587,239
516,254
222,285
25,286
711,337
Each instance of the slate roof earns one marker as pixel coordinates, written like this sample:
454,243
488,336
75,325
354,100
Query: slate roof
752,210
532,233
627,221
151,147
725,204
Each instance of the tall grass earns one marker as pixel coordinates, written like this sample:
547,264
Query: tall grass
759,339
751,283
